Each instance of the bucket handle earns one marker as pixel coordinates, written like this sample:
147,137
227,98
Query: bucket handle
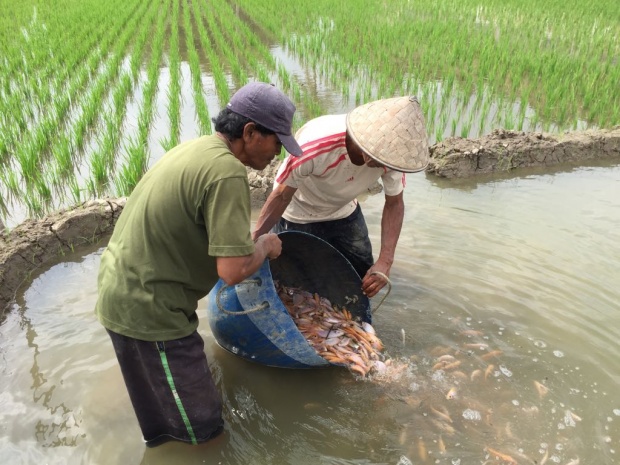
389,283
262,306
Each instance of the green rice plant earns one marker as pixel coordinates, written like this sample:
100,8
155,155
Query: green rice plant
41,195
102,159
174,91
241,46
466,129
11,183
132,171
136,148
4,211
202,112
33,204
223,46
509,122
221,85
99,174
245,42
4,146
62,152
168,144
75,192
453,127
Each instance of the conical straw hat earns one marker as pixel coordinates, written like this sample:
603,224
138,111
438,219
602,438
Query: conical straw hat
392,131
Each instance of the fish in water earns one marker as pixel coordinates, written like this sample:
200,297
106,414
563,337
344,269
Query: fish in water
333,332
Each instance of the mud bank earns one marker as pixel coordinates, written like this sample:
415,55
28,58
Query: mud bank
503,151
33,243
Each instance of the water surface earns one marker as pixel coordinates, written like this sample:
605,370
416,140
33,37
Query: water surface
526,266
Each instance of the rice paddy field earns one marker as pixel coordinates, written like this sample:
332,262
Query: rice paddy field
92,93
523,268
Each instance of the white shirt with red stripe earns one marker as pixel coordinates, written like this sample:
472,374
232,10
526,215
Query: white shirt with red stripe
327,182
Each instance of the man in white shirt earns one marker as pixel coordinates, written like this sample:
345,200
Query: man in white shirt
343,156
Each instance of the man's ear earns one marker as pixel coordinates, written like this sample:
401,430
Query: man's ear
249,129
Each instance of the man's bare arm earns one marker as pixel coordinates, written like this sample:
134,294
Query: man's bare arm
272,211
233,270
391,225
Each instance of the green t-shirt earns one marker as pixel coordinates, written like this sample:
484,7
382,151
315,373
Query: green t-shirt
192,206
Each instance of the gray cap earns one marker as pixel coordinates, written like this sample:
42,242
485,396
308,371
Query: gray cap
266,105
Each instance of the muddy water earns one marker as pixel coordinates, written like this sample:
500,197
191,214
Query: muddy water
518,274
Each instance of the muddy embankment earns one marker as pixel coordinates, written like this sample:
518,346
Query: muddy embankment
33,243
505,151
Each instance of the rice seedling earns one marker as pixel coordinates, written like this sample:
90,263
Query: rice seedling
202,112
132,170
174,91
136,150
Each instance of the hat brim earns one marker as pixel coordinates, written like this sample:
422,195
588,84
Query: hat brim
399,168
290,144
391,132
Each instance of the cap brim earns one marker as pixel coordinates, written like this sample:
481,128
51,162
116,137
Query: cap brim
290,144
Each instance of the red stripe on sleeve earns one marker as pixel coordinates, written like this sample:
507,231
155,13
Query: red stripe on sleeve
339,160
311,150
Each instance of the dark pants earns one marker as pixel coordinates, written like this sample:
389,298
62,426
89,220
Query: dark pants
348,235
171,388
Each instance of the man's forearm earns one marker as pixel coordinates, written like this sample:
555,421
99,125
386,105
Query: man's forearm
391,225
273,209
233,270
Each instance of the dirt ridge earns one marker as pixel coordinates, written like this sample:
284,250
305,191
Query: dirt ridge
503,151
34,242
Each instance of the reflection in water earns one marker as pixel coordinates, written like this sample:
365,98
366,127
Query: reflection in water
501,327
58,425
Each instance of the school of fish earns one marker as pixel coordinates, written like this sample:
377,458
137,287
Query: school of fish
455,372
333,332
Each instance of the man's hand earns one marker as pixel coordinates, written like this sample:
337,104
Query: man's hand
373,283
233,270
391,224
272,244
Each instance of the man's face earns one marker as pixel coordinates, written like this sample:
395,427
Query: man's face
358,157
371,162
262,149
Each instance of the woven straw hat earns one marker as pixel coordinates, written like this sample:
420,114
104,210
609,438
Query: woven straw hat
391,131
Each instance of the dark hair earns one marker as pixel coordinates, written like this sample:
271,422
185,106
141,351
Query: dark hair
231,124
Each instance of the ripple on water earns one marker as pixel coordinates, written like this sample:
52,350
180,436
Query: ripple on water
472,415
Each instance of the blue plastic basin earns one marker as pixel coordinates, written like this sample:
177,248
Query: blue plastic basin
250,320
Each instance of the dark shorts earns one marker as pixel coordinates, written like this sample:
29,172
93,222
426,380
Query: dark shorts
348,235
171,388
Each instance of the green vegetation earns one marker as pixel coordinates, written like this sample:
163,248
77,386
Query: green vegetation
71,70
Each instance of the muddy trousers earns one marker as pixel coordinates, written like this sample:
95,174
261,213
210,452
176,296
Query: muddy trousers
171,388
349,236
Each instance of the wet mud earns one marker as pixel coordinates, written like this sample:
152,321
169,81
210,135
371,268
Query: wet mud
505,151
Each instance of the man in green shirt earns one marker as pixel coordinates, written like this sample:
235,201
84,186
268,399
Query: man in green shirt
185,226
